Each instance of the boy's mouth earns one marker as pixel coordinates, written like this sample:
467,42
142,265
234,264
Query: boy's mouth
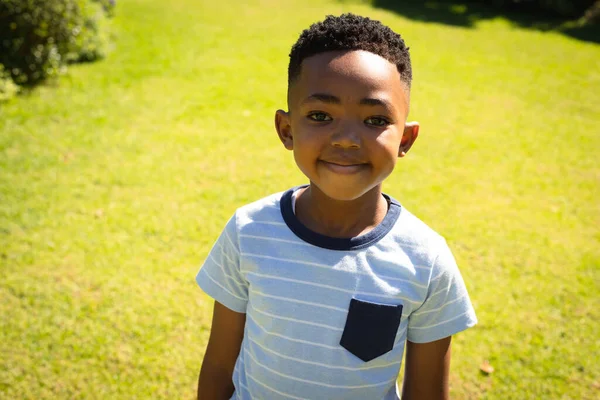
344,167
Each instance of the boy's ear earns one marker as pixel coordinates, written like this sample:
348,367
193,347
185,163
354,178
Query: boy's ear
284,128
411,132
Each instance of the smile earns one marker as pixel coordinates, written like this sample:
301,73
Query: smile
343,169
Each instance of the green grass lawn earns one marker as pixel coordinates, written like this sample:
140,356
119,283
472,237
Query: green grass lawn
115,181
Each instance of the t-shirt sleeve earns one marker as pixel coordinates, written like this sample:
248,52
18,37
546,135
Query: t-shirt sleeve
447,308
220,275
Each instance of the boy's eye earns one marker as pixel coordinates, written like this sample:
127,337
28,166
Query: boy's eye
377,121
319,117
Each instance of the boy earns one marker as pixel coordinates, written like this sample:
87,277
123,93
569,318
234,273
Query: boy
319,289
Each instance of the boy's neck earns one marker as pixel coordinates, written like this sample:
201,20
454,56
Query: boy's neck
336,218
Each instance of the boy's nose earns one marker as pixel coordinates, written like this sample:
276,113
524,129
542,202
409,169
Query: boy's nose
346,136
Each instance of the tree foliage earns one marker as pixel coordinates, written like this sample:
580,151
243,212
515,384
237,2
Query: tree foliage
38,38
565,8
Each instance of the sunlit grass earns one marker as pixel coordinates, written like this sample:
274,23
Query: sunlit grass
115,181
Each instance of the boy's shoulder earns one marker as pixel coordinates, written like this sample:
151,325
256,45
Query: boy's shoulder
410,232
263,210
418,229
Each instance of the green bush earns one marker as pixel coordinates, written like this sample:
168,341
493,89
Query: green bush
565,8
39,37
8,89
93,40
108,6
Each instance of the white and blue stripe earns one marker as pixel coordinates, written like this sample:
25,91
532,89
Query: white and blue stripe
295,287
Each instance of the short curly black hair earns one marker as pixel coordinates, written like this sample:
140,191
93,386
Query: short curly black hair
350,32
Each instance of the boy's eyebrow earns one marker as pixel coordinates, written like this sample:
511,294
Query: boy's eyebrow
323,97
376,102
331,99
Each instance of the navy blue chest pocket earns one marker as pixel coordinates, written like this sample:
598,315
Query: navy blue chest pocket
370,329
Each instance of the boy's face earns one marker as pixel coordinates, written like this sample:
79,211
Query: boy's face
347,122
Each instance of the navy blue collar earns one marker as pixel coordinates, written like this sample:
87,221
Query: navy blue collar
327,242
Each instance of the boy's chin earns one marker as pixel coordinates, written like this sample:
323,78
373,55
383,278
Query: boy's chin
343,193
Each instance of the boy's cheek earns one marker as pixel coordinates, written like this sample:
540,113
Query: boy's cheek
309,140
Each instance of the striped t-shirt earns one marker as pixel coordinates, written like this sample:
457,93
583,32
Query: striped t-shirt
328,318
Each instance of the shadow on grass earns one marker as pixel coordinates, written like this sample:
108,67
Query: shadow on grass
467,13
